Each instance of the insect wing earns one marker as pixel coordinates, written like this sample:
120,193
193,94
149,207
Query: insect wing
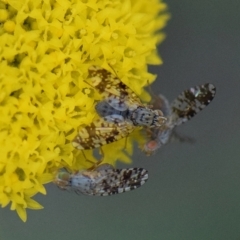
114,91
101,132
108,182
190,102
183,108
160,102
122,180
103,181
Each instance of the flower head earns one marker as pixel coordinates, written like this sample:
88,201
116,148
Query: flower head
46,48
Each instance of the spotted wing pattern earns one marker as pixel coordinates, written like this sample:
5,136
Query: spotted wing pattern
103,181
101,132
191,101
120,99
113,90
183,108
120,111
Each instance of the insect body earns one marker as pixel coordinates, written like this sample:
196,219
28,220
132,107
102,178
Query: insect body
141,116
120,111
104,180
182,109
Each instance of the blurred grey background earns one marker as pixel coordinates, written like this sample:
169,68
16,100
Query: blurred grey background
193,191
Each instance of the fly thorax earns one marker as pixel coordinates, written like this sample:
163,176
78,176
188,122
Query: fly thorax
143,116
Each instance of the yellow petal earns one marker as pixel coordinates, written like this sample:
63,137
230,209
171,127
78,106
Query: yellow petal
46,178
46,50
32,204
21,213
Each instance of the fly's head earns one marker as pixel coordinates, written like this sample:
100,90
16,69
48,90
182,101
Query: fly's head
63,180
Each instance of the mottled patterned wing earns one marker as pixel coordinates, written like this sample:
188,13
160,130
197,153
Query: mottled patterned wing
190,102
183,108
121,100
103,182
114,91
114,181
102,131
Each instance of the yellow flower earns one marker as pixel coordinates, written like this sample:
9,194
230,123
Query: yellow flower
46,48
